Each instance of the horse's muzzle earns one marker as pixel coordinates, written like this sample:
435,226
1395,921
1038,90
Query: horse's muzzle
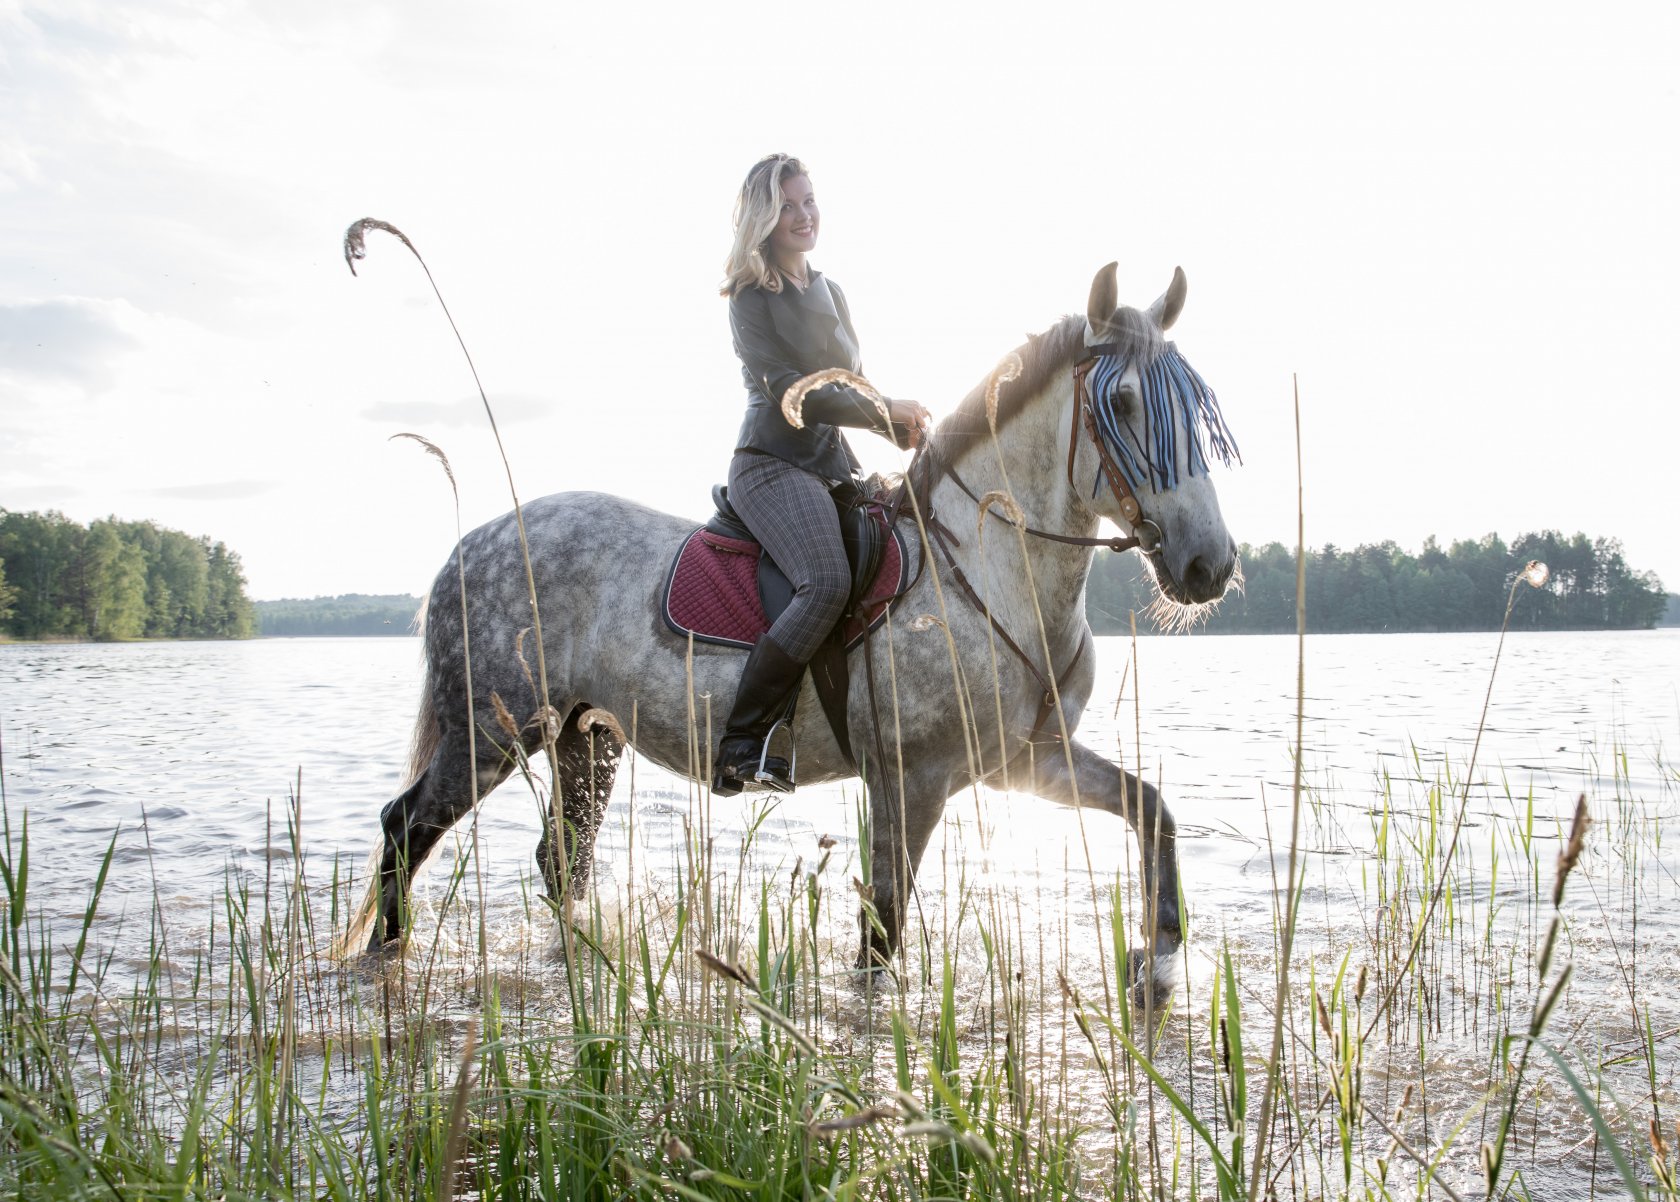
1202,579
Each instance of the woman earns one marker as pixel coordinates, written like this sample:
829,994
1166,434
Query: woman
789,321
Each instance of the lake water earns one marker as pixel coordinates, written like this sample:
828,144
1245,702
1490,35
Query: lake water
192,753
193,750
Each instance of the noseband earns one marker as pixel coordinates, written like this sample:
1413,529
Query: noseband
1147,534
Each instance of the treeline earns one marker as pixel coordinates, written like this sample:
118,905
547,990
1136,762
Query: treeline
350,614
113,579
1381,587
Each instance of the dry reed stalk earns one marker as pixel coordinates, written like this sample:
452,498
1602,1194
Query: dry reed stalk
1009,368
980,521
1397,1143
504,717
457,1117
1535,574
723,968
792,405
1571,851
437,453
355,248
1268,1096
793,400
1007,371
856,1121
591,718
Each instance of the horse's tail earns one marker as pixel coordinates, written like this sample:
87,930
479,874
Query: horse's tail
427,735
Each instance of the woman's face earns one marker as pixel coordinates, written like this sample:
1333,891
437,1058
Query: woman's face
796,230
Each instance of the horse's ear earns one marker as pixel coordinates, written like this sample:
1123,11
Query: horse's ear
1105,298
1166,309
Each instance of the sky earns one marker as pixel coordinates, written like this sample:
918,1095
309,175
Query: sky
1453,224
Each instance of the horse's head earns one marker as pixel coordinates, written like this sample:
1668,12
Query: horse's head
1154,424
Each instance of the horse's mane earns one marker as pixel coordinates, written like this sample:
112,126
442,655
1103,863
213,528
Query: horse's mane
1042,358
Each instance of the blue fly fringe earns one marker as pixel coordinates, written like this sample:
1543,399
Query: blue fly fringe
1174,397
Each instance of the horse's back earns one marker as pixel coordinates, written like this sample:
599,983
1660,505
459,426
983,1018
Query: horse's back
586,523
591,554
569,533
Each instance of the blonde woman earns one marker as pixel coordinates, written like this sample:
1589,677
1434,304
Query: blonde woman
789,320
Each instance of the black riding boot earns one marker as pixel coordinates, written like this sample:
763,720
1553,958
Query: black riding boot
769,683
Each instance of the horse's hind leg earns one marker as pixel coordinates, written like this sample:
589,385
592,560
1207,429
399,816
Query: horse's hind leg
584,765
417,818
1103,786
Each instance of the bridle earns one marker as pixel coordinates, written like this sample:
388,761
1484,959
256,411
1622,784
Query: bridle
1147,535
1124,497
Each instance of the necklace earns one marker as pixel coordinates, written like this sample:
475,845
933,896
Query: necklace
799,281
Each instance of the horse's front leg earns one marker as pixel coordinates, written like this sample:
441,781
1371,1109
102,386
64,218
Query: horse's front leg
898,836
1096,783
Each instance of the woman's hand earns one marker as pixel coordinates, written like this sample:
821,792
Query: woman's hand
914,417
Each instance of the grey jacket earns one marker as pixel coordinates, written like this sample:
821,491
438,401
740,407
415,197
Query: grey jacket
781,337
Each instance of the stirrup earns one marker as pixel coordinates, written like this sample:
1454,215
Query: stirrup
752,774
771,773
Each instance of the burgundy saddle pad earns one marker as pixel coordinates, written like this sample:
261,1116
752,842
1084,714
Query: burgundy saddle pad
711,591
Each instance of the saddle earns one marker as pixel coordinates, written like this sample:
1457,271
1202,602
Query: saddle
724,588
865,539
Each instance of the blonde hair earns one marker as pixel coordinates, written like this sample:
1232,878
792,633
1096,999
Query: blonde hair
757,209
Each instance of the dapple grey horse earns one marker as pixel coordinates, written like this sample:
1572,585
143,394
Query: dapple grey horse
990,691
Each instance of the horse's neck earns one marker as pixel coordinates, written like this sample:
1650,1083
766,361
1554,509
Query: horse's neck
1028,462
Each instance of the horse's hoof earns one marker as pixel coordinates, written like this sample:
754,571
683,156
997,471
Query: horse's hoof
873,961
1151,979
874,977
576,913
380,954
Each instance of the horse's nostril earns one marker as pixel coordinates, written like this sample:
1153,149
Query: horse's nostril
1204,580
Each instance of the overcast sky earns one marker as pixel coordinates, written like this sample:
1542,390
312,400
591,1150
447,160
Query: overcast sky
1455,222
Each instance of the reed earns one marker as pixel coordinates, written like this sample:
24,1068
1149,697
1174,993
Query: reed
1399,1025
239,1062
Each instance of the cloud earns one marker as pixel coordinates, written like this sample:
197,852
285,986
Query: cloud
28,496
69,339
222,490
466,411
18,167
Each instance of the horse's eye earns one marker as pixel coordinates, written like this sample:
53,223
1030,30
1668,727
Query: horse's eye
1127,402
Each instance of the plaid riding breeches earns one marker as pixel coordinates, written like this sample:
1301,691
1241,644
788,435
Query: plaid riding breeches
790,512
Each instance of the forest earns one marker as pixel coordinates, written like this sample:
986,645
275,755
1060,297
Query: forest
113,579
349,614
1381,588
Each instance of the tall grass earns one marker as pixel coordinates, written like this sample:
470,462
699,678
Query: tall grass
723,1049
1400,1029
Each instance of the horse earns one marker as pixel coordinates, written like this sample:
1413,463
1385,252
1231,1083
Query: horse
1096,418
